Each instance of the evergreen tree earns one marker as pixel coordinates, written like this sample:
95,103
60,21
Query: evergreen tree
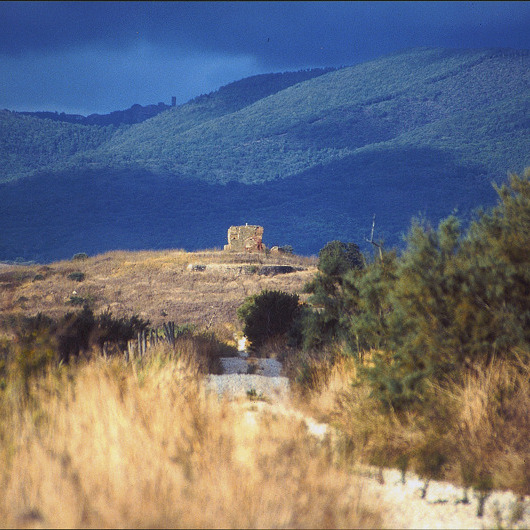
329,319
495,259
457,301
367,292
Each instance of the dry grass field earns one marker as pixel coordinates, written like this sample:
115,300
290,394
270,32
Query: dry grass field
109,444
155,285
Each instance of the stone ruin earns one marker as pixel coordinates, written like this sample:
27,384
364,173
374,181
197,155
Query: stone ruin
246,238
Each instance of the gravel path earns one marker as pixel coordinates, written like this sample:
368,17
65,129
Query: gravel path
243,375
403,505
442,506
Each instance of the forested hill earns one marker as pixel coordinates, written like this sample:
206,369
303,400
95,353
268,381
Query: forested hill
33,141
135,114
311,155
473,105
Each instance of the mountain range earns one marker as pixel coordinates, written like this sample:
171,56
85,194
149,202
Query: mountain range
310,155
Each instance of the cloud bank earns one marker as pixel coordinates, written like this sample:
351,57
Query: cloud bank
85,57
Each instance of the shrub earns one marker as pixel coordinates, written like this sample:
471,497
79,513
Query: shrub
458,301
76,332
116,330
286,249
76,300
450,301
76,276
73,334
268,314
80,256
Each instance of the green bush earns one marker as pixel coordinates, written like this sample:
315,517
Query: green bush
457,300
76,276
268,314
80,256
76,300
450,302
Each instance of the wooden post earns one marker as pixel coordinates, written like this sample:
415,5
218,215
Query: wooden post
371,240
172,332
169,331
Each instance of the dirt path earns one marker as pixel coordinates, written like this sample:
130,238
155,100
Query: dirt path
260,380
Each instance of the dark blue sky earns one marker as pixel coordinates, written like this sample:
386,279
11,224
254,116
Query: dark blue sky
85,57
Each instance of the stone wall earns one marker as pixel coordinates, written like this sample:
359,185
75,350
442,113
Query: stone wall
248,238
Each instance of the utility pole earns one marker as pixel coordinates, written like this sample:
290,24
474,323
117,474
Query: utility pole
372,242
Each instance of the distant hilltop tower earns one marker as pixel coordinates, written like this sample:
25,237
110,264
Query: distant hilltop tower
245,238
173,101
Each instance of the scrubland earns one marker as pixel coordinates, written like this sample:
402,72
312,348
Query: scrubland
417,362
474,433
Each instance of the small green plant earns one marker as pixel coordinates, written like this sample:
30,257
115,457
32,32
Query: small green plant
77,276
483,487
76,300
402,462
80,256
306,375
38,277
253,395
431,459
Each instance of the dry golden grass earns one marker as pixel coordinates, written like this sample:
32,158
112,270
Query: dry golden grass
481,426
492,425
110,445
155,285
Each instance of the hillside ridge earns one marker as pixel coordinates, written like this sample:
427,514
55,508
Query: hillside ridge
309,155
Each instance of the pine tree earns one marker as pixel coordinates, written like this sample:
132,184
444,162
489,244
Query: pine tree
328,321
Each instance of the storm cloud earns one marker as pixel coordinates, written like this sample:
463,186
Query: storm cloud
85,57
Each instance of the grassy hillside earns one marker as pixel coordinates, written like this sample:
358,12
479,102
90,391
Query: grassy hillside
29,144
158,286
422,98
472,103
38,142
309,155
